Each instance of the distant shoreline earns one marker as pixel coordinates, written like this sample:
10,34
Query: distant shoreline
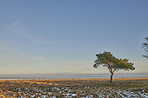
74,76
99,79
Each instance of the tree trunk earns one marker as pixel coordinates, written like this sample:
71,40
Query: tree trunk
111,77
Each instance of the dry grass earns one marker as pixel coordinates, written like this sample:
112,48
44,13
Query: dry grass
80,87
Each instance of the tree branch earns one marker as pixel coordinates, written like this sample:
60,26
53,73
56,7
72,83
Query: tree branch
114,70
109,67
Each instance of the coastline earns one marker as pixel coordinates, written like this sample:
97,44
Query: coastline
98,79
72,76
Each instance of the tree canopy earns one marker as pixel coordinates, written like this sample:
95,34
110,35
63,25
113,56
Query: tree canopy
106,59
145,46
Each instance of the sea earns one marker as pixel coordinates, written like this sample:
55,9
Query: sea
71,76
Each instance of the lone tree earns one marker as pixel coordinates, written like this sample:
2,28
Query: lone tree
106,59
145,46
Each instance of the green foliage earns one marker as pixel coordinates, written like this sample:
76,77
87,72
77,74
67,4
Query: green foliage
108,60
145,46
112,63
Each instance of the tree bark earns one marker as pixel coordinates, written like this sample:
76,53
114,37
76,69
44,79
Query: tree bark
111,77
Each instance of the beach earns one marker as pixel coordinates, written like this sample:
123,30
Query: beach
74,88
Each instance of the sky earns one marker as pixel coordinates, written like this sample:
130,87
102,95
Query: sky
64,36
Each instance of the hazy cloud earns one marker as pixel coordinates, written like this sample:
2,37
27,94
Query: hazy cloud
18,28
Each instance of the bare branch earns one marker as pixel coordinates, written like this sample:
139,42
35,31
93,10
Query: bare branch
114,70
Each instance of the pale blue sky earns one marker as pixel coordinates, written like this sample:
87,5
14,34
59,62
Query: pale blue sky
63,36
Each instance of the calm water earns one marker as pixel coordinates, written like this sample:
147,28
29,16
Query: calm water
72,76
